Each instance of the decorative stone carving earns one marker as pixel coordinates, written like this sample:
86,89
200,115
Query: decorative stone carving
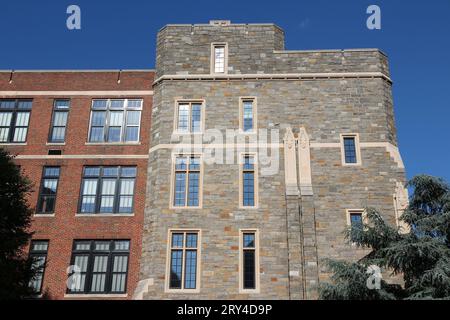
304,158
401,202
290,163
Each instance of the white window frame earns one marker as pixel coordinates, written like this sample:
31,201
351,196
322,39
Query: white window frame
357,149
167,288
213,57
241,261
254,111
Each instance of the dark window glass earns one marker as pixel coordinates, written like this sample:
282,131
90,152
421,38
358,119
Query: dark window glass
248,180
350,150
115,120
183,245
99,266
356,222
247,114
107,190
249,263
187,181
14,120
38,254
59,121
48,190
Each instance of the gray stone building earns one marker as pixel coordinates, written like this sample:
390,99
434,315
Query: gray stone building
260,158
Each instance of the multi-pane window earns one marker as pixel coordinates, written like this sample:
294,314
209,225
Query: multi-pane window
356,221
248,114
99,266
115,120
219,56
49,187
107,190
59,121
38,254
183,260
187,181
350,153
248,181
14,120
189,117
249,260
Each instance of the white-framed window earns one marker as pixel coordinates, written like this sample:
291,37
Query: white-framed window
248,181
247,114
219,58
249,261
187,175
183,261
350,149
115,120
189,116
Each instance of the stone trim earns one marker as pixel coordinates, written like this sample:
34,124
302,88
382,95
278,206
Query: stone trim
79,93
304,163
241,262
82,156
274,76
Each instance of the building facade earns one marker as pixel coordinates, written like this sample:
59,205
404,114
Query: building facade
82,138
229,172
259,160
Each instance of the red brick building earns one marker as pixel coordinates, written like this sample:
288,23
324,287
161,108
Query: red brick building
82,137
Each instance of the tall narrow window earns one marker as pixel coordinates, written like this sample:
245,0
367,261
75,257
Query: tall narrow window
115,120
355,221
249,264
59,121
248,181
219,56
189,117
107,190
101,266
38,253
14,120
187,181
350,149
248,114
183,260
49,187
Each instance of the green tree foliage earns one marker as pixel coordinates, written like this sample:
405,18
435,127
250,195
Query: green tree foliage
16,269
421,256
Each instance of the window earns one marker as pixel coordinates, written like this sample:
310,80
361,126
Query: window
248,181
115,120
100,266
187,181
59,121
219,58
14,120
183,264
355,220
38,252
49,187
107,190
247,121
350,149
189,117
249,260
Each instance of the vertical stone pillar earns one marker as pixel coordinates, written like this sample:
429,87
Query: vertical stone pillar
293,222
308,219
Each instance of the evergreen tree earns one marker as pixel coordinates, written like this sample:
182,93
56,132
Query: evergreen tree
16,269
421,256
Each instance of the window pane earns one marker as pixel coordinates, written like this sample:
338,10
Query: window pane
249,189
122,245
128,172
219,59
191,240
102,245
24,104
194,179
177,240
135,104
190,274
180,163
62,104
98,118
108,187
117,104
114,134
180,189
176,264
91,171
58,134
51,171
60,119
132,134
20,134
99,104
183,117
97,134
249,269
5,119
248,115
196,117
110,171
7,104
249,240
116,118
350,150
133,117
127,187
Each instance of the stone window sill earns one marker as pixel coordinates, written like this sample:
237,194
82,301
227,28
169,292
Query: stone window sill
104,215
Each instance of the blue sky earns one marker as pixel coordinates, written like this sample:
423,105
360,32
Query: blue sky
121,35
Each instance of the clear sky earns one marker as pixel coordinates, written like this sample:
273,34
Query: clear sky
119,34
